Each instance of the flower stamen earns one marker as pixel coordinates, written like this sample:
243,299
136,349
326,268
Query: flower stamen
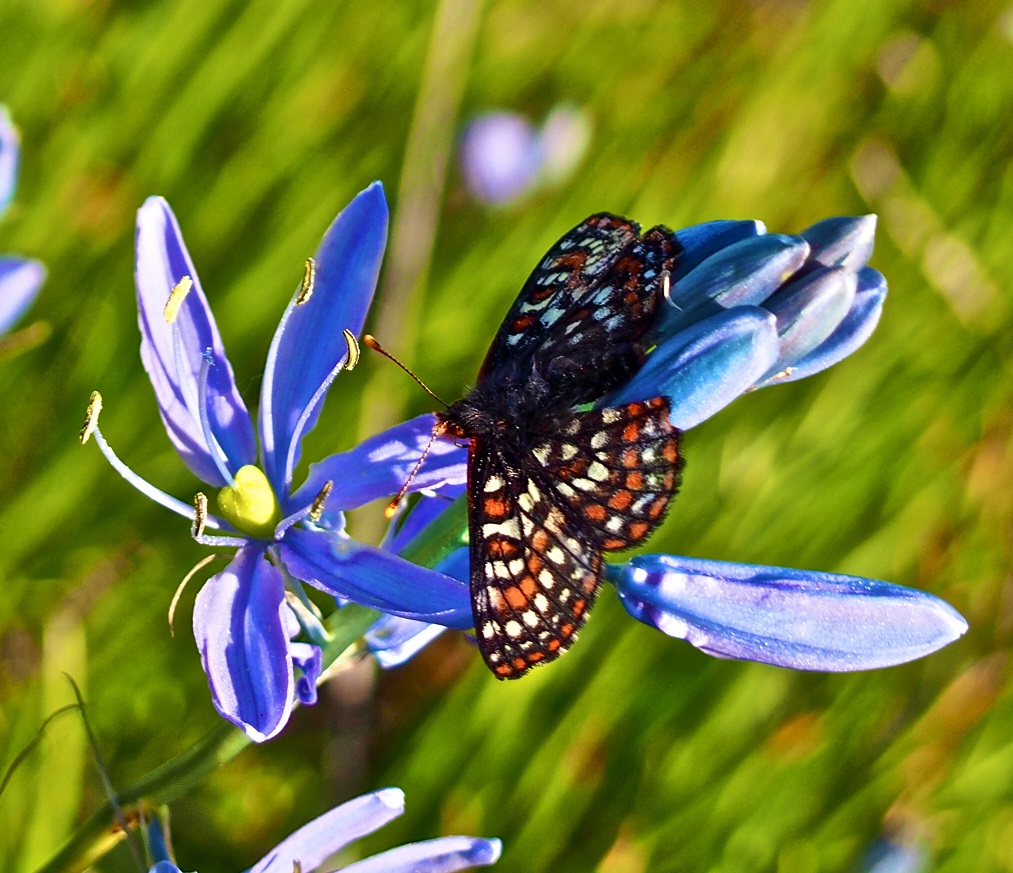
200,565
308,281
91,416
176,298
353,350
313,512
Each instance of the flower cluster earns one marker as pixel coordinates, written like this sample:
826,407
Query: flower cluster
309,847
20,278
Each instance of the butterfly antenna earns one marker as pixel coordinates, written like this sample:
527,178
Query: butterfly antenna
370,342
440,428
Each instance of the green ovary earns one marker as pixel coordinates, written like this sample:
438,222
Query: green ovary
250,504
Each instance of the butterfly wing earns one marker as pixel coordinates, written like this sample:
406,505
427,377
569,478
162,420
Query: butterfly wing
574,265
533,575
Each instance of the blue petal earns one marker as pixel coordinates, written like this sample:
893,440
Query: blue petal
705,367
308,662
365,574
810,309
165,867
315,842
893,856
842,241
161,261
9,154
19,283
856,328
700,241
790,618
427,510
240,630
380,466
443,855
309,347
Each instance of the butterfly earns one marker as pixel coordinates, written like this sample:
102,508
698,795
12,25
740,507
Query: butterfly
552,483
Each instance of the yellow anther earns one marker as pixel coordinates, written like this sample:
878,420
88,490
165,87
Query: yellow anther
250,503
176,298
353,350
200,513
309,277
91,416
317,508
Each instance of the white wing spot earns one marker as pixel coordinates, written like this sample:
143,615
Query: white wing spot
598,471
531,618
513,628
493,483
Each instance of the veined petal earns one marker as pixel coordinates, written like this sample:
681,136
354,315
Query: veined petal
842,241
380,466
853,331
790,618
161,262
239,626
19,283
315,842
705,367
309,346
700,241
9,154
442,855
365,574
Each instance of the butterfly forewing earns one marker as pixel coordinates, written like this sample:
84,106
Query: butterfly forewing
533,579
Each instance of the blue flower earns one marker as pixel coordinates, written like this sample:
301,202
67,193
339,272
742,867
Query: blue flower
246,617
20,279
745,310
310,846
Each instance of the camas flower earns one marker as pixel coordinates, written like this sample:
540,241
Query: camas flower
745,310
246,617
20,278
309,847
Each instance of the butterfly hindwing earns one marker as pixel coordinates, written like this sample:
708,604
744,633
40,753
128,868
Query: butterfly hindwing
533,577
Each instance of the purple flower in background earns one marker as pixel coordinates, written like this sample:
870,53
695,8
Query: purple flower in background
20,279
746,309
503,156
245,618
310,846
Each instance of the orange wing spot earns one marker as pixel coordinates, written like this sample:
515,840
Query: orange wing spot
631,432
534,564
535,657
540,541
495,507
500,547
553,645
522,323
496,600
566,630
543,294
595,512
656,402
658,507
590,584
669,481
610,545
572,260
631,458
671,452
621,500
579,607
504,670
631,298
520,664
529,586
635,480
638,529
515,597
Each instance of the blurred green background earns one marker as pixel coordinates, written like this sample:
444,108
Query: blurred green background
258,121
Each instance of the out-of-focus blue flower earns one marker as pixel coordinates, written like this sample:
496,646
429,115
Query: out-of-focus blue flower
746,309
310,846
20,279
503,156
894,855
245,618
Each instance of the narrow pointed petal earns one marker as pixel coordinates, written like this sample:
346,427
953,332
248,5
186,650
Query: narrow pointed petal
842,241
380,466
365,574
20,281
789,618
704,368
161,262
9,155
443,855
309,347
809,310
853,331
315,842
239,626
308,661
700,241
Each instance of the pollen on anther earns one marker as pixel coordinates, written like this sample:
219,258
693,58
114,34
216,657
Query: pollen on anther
91,416
317,507
176,298
353,349
200,513
306,286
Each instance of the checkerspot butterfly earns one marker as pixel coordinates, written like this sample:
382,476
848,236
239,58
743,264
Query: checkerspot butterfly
552,483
